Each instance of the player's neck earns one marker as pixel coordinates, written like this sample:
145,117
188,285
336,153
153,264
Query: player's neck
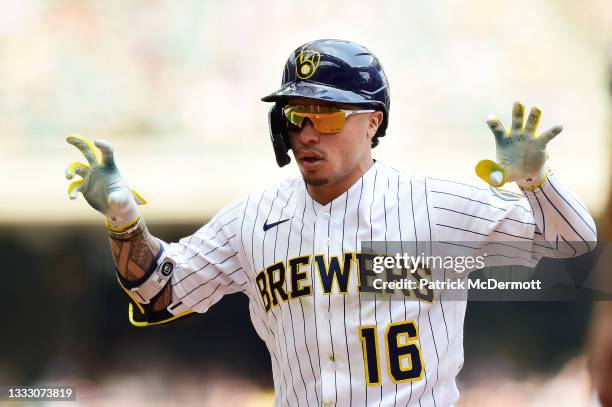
324,194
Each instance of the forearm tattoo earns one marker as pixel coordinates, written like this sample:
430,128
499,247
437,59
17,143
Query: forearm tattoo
163,299
133,252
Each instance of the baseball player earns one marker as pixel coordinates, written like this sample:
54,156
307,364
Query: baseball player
295,248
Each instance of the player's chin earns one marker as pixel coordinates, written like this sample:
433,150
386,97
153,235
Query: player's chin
315,175
314,180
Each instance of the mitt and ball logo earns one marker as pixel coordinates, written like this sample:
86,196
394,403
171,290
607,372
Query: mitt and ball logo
307,63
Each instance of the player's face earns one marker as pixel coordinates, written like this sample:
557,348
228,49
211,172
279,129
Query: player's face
331,163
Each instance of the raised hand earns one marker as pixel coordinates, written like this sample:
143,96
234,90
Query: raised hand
521,153
102,185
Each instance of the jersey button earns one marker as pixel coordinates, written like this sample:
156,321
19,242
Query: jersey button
327,404
328,241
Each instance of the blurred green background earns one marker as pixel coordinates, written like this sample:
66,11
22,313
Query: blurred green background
175,87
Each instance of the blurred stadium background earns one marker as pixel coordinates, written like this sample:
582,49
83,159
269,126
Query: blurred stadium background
175,87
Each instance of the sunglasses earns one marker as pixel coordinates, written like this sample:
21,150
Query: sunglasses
325,119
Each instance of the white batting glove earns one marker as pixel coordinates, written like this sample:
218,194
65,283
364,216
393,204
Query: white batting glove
102,185
521,153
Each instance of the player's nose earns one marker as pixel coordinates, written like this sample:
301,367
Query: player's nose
308,134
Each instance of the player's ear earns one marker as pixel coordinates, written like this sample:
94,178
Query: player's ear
376,119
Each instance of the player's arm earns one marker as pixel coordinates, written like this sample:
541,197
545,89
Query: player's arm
164,281
546,220
137,253
562,221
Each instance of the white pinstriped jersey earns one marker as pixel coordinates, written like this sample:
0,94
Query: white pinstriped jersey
316,327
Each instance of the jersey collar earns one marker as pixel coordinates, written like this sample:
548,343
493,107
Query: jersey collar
350,195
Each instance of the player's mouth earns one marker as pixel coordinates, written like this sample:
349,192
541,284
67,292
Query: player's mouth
310,160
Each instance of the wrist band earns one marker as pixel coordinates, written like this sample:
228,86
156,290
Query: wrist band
539,184
132,230
122,228
154,280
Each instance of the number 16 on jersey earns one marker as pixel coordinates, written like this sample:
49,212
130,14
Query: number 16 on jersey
404,360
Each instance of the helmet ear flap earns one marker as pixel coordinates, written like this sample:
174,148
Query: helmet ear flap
278,135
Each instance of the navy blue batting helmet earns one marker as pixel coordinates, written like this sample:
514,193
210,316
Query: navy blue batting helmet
331,70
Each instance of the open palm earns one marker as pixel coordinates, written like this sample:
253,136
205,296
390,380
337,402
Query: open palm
521,153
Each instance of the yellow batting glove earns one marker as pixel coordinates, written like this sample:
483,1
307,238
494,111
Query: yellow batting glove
102,185
521,153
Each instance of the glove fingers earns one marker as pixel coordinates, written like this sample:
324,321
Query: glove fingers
518,111
82,172
497,128
86,147
550,134
74,188
107,151
533,120
76,167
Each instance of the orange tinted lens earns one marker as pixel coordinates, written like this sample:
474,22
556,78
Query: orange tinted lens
325,119
328,122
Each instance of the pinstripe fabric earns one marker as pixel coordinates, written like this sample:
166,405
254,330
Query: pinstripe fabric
313,334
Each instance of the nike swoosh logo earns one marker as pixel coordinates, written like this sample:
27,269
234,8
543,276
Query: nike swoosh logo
267,226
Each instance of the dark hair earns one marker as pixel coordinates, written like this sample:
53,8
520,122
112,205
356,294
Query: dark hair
374,141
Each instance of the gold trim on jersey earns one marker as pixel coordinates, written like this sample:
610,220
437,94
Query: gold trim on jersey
297,276
348,258
333,271
367,357
409,342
